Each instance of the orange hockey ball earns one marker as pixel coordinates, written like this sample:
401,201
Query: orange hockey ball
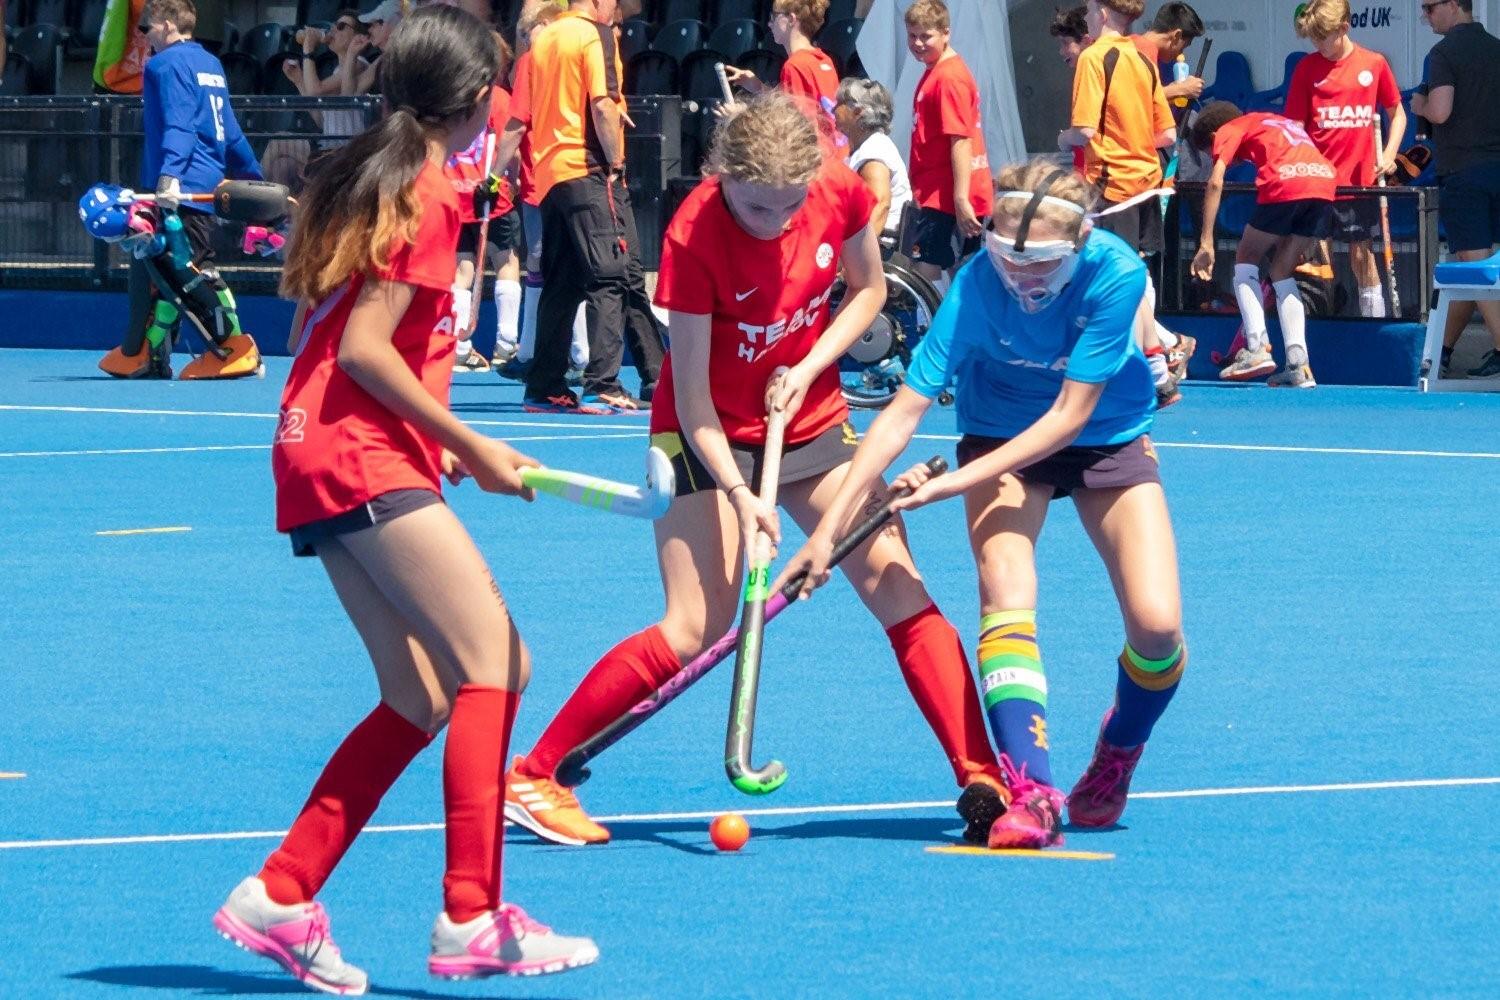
729,831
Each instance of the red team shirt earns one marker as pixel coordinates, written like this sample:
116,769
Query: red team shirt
810,73
947,107
520,109
1288,167
768,300
1337,103
465,170
336,447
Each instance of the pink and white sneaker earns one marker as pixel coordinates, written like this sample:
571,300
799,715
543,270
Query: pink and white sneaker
1034,818
1099,797
504,942
296,937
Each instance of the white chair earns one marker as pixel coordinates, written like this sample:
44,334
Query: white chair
1457,281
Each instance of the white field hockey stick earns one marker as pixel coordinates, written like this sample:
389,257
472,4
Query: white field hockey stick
603,494
1385,231
481,252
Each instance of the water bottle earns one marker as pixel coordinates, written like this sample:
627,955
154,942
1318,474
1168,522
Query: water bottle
182,254
1180,73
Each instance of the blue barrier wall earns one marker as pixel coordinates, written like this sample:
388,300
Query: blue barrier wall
1342,351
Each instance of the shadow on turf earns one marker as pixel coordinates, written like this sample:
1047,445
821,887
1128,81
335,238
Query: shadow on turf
209,981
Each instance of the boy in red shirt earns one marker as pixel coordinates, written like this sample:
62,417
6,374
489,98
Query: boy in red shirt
1335,93
808,71
949,170
1293,210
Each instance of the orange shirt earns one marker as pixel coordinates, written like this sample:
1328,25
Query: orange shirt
573,63
1122,155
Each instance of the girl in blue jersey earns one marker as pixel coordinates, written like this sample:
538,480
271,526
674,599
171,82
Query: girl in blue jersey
1054,399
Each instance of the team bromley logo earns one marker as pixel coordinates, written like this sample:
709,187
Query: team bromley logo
825,255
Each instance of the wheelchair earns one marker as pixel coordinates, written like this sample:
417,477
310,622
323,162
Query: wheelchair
875,365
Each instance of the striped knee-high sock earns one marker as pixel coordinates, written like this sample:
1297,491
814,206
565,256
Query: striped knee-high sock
1142,690
1014,688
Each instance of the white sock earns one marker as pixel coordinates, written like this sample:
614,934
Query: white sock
464,348
1247,293
462,299
530,297
1158,363
508,305
942,282
578,355
1372,302
1165,337
1293,315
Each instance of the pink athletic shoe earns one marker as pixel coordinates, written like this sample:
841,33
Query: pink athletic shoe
1034,819
504,942
296,937
1099,797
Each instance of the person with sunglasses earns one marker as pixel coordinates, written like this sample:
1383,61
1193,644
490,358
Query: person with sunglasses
1056,400
339,38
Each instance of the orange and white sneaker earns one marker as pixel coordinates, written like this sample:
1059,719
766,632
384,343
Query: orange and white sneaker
549,810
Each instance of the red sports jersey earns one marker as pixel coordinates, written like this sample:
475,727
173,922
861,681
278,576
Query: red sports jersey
520,109
1337,103
1288,167
336,447
465,170
947,108
810,73
768,300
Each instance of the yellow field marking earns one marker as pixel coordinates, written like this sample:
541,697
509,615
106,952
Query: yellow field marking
1010,853
143,531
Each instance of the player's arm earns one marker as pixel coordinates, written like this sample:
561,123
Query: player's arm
608,127
1213,193
1397,115
509,144
877,177
1088,103
961,155
1438,106
1165,124
239,157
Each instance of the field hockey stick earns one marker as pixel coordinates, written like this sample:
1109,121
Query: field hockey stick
743,775
481,250
1170,173
573,770
1385,231
611,497
257,202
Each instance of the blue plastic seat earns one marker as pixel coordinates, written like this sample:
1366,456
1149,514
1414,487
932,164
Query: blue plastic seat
1481,273
1232,81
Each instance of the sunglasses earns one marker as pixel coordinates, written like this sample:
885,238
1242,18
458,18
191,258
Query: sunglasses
143,28
1428,8
343,26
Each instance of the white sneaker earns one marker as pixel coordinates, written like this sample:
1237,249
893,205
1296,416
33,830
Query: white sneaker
296,937
1293,377
504,942
1247,366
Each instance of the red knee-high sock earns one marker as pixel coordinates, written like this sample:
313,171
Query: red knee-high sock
473,772
360,771
937,674
637,666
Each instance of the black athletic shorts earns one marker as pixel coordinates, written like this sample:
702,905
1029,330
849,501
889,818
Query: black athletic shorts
823,453
385,507
1304,217
932,238
504,234
1091,467
1356,219
1139,225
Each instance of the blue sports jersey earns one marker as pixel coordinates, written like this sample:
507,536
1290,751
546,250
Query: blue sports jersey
191,131
1009,365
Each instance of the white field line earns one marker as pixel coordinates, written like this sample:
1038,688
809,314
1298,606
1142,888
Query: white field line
578,423
188,449
870,807
1289,449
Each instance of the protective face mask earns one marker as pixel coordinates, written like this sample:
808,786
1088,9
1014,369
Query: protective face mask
1035,275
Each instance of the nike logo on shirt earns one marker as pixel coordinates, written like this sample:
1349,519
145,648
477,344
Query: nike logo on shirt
742,296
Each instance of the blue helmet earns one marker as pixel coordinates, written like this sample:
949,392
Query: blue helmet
107,211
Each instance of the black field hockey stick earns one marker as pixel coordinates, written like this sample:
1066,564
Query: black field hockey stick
573,769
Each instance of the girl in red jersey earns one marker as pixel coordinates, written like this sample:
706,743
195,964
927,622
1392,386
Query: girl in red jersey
1294,189
808,71
364,439
748,265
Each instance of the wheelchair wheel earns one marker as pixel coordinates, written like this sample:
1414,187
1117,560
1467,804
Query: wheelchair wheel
875,365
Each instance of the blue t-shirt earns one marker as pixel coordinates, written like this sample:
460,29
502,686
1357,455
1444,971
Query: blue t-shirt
1009,364
190,130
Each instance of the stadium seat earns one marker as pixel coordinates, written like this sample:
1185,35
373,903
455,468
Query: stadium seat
727,11
1232,80
263,41
700,95
41,44
651,72
15,15
53,12
321,11
231,37
1275,98
735,38
764,63
273,79
240,72
83,39
678,38
840,10
635,38
838,40
17,76
680,10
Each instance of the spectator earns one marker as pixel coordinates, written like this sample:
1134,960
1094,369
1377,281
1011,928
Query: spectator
1120,117
950,173
576,118
863,114
808,71
378,22
339,124
1071,29
1335,93
1463,93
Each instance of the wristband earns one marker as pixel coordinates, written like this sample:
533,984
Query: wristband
741,483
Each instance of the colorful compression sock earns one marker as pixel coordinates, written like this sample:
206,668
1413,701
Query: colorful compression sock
1142,690
508,308
164,319
1015,690
624,676
473,778
1248,294
1293,316
932,660
360,771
